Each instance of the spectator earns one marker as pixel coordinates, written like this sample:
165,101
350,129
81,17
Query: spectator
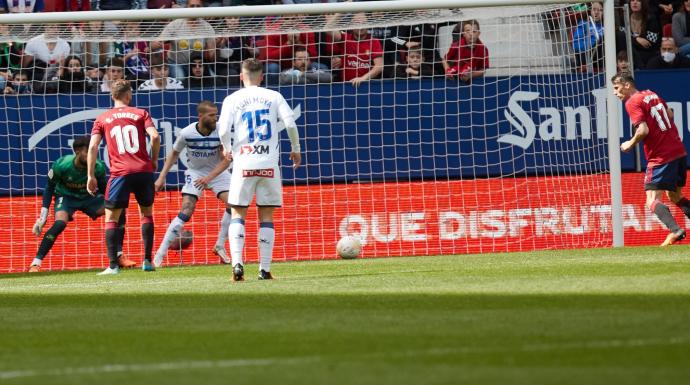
303,70
159,4
424,37
45,53
86,42
115,70
645,33
20,84
159,77
21,6
134,53
111,5
467,58
232,51
362,55
662,10
387,36
72,79
681,28
622,63
200,76
588,39
67,6
278,51
668,57
10,57
182,49
415,67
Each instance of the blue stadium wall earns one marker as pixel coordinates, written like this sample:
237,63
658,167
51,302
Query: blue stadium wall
385,130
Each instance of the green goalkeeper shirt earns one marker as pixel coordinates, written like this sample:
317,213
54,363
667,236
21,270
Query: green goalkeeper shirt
66,180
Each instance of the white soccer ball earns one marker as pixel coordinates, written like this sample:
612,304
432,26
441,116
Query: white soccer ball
349,248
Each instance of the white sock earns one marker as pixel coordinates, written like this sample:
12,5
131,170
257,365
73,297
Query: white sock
36,262
170,234
267,237
236,235
224,229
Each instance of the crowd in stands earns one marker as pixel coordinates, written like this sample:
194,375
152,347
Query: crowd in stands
49,62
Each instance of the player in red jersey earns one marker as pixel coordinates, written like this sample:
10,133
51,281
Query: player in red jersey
131,168
665,153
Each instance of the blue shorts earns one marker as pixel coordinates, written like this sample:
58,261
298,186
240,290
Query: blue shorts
668,176
119,187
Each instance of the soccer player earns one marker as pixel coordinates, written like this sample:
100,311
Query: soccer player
131,168
249,131
67,182
207,169
665,153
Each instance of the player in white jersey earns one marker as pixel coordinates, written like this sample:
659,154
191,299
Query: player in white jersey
250,134
207,168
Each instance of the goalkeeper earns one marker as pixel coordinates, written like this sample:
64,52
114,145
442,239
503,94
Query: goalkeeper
67,182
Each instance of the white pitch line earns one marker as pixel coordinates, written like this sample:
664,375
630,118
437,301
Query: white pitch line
210,364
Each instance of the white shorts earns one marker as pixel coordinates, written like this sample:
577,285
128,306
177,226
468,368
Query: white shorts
218,185
268,190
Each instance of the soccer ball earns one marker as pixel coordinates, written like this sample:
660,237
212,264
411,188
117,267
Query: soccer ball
182,241
349,248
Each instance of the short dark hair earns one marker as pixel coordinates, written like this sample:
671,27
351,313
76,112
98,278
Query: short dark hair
157,60
472,22
300,48
623,77
115,61
253,66
81,142
622,55
205,105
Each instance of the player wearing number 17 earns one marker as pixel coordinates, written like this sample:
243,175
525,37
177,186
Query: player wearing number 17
249,131
665,153
131,168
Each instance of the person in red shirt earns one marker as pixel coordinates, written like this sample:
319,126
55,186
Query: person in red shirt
362,55
467,58
131,168
67,6
278,51
663,148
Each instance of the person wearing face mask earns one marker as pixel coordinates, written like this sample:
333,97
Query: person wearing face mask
72,78
20,84
668,57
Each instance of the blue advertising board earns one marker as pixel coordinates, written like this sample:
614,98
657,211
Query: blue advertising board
385,130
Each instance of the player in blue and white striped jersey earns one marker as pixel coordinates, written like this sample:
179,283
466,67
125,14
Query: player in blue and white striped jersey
207,168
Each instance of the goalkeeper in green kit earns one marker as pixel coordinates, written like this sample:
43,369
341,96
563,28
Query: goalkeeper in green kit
67,182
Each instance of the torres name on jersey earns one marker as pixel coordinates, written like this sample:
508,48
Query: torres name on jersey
124,131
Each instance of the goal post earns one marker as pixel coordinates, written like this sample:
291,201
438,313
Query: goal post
520,156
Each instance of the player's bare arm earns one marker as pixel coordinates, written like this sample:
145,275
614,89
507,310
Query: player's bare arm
221,167
92,155
640,133
155,145
170,160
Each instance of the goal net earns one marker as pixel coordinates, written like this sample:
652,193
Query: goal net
407,144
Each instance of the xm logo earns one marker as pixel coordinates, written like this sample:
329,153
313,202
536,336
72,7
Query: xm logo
256,149
553,124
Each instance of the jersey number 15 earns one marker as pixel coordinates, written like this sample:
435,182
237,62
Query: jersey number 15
257,124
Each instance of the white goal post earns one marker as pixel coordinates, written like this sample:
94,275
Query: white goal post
523,156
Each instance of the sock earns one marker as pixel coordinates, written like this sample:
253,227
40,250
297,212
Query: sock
121,232
171,234
236,235
111,243
49,238
224,228
267,236
684,204
147,236
664,214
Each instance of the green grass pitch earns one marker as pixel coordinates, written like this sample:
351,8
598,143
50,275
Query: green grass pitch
568,317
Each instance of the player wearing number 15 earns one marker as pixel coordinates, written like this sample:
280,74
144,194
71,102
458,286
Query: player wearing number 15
665,153
249,131
131,168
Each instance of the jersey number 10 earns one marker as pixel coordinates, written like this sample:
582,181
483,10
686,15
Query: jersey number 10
256,123
126,137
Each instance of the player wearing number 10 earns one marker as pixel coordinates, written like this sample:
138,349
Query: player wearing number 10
665,153
249,132
131,169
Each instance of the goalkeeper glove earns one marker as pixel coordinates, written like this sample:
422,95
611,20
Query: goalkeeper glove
40,222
